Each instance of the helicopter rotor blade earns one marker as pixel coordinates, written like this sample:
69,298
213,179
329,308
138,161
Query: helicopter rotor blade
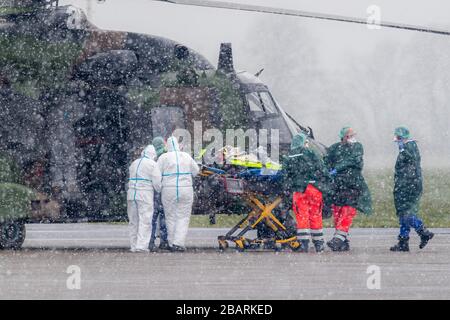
298,13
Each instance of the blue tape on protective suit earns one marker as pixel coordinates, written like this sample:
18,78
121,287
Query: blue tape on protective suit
178,166
140,179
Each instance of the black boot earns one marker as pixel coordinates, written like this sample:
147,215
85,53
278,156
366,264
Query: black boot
425,236
337,244
152,246
318,245
402,245
304,246
164,245
175,248
346,245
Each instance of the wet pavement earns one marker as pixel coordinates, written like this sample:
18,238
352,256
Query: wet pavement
91,261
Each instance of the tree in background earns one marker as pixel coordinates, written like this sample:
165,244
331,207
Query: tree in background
395,84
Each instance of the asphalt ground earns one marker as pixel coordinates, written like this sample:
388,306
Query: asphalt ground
92,261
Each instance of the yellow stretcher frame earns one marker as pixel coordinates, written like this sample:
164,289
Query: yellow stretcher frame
262,207
261,212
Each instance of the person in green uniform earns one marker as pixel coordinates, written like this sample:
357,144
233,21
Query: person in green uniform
408,190
304,177
344,160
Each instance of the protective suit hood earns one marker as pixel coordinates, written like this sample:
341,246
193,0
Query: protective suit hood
149,152
172,144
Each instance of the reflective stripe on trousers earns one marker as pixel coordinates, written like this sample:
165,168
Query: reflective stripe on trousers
303,234
341,235
317,234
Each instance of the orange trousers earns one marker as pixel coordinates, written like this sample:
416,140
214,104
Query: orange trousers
343,217
308,212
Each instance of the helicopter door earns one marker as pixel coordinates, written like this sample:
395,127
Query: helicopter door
197,105
102,135
165,119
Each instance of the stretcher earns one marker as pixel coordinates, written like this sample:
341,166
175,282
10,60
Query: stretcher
261,191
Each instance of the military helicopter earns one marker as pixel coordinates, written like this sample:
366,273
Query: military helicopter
77,101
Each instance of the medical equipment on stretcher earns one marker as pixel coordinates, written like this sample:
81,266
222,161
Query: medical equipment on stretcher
261,189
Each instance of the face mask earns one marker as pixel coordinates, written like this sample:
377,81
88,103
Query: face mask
351,140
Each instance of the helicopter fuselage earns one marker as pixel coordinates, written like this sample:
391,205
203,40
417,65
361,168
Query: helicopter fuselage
77,102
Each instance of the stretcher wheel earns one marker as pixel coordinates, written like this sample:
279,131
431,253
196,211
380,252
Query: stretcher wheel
294,245
223,245
240,246
271,245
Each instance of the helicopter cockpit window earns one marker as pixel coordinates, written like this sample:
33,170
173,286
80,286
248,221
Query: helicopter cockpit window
254,102
166,119
268,103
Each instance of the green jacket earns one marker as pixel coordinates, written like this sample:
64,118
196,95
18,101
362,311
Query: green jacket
301,167
408,178
349,186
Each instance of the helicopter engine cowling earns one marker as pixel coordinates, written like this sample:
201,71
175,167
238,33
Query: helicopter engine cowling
114,67
65,18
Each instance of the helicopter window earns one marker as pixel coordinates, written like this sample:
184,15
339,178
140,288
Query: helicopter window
279,124
269,105
254,101
166,119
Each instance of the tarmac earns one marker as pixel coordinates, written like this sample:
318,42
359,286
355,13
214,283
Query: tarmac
92,261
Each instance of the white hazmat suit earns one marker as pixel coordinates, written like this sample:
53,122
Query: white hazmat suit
177,168
144,177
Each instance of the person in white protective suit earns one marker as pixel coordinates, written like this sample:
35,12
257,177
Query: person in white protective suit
145,177
178,169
